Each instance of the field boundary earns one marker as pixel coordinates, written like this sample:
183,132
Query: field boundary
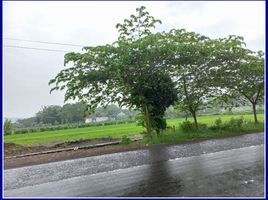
69,149
64,149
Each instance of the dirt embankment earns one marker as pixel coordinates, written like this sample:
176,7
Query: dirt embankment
11,149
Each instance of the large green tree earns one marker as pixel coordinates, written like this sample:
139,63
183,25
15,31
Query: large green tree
240,71
191,66
122,72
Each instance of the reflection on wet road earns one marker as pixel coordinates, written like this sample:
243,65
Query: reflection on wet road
234,172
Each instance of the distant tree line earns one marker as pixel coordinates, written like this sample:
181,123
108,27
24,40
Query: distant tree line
54,114
71,113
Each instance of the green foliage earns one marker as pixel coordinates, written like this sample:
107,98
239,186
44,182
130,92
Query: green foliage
192,62
125,140
160,96
49,115
240,72
124,72
233,129
171,112
27,122
159,123
140,119
73,113
175,137
218,122
149,72
235,123
187,126
231,125
137,26
8,127
69,116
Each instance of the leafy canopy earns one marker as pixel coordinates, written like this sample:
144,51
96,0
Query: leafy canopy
122,72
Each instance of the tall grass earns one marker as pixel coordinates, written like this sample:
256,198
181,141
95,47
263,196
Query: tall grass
229,128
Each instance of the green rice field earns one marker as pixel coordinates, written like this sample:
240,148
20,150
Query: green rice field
114,131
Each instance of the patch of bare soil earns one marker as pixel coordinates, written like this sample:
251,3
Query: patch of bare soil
11,149
75,143
64,155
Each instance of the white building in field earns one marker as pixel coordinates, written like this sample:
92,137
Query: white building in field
92,119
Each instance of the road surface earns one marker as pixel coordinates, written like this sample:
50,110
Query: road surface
216,168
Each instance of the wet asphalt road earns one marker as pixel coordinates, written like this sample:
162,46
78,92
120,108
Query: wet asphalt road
219,167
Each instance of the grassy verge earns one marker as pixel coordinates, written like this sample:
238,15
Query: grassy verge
209,119
114,131
206,133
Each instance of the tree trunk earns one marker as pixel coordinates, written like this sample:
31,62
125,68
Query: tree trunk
255,113
147,120
195,120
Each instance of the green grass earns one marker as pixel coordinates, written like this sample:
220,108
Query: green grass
180,136
211,118
115,131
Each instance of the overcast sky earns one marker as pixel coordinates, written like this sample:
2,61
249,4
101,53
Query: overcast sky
27,72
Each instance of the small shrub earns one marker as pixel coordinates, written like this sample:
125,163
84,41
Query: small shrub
218,125
236,123
187,126
232,124
125,140
8,127
202,126
218,122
